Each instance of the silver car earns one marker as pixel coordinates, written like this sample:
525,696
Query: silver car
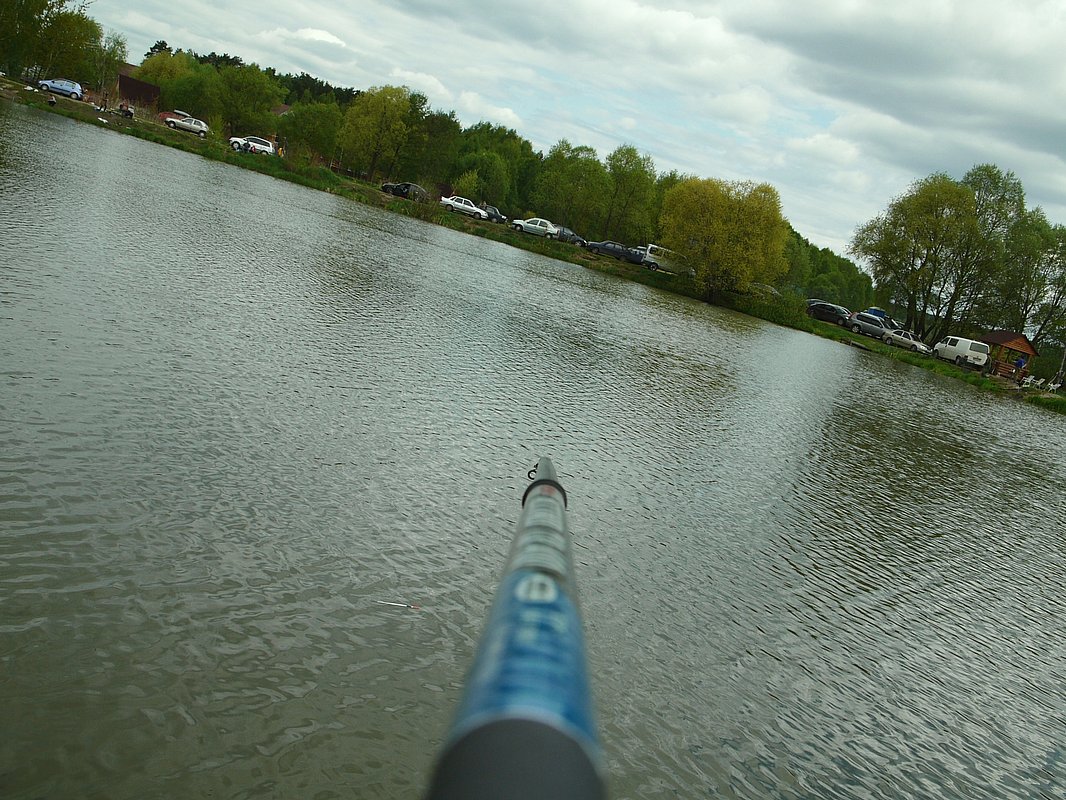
871,325
536,226
190,124
902,338
463,206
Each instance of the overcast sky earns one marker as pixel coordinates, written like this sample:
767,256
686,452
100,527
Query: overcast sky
839,104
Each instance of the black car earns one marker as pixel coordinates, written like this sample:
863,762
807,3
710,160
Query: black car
618,250
408,190
567,235
829,312
495,215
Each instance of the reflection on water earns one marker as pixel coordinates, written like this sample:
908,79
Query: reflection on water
236,413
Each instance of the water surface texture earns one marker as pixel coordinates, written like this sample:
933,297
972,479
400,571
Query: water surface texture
235,413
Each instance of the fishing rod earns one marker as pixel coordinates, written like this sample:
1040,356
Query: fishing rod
524,729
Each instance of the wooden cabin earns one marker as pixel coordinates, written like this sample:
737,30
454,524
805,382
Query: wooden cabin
1005,348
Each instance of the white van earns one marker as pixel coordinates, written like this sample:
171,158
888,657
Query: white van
656,257
962,351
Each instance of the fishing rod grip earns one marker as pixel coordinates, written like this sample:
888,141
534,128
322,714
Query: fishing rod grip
524,729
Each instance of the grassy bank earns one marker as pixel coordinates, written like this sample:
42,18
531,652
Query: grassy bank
787,310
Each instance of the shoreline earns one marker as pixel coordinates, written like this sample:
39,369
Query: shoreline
779,310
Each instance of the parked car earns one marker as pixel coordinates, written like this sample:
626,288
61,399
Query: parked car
253,144
828,312
617,250
567,235
190,124
536,226
906,339
71,89
656,257
463,206
870,324
962,351
408,190
495,215
163,116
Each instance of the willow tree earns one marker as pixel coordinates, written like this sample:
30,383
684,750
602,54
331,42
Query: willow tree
730,234
938,250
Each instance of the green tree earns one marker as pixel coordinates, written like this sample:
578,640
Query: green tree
939,250
999,203
309,130
434,151
467,184
68,41
628,214
493,176
663,183
572,187
199,91
516,152
107,57
22,23
798,256
163,68
729,233
248,97
375,125
159,47
917,247
412,142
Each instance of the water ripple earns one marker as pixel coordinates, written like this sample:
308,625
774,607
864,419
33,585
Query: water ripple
236,419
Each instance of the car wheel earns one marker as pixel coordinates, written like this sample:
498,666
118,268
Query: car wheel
236,146
856,329
201,134
517,228
170,124
915,348
958,361
74,96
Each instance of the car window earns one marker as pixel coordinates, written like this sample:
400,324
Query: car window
979,347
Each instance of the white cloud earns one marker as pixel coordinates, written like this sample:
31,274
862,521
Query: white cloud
303,34
429,85
474,107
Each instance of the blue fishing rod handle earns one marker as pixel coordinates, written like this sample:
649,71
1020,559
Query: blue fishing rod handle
525,728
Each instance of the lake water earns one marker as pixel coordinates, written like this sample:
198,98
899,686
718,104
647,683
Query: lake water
235,413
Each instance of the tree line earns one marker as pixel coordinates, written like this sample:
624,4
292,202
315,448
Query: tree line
727,234
391,132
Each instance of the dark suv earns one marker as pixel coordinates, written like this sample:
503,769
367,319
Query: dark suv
618,250
829,312
411,191
567,235
495,215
